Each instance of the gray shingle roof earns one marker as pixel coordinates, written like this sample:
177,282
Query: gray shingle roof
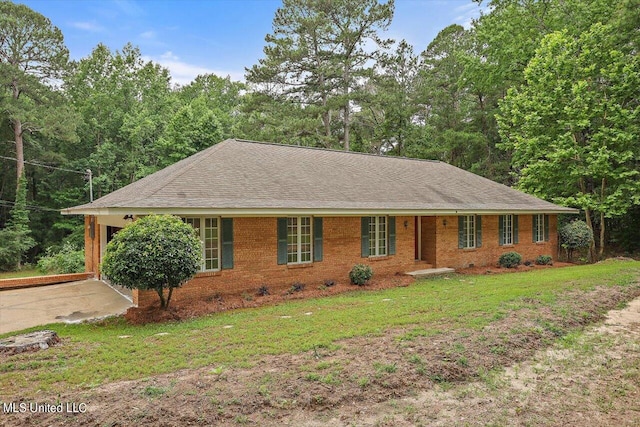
253,177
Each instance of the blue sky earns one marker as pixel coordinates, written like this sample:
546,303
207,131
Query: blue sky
192,37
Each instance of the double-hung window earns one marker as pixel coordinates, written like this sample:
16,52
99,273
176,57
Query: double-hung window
299,240
540,222
377,236
468,231
507,229
208,230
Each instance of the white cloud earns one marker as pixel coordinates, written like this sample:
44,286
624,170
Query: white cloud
129,7
148,34
183,73
88,26
466,7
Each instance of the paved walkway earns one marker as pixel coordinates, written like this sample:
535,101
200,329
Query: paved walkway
67,302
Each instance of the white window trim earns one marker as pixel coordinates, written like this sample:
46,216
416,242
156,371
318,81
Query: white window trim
507,230
375,220
299,240
202,240
540,228
469,223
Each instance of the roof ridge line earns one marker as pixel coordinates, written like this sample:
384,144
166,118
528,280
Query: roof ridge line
335,150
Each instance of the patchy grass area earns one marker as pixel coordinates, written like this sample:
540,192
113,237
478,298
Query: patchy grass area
92,354
322,353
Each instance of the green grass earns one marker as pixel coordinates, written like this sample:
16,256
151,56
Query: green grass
27,272
93,354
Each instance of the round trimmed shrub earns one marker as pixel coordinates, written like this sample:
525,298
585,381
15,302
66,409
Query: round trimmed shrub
510,260
575,235
156,252
544,260
360,274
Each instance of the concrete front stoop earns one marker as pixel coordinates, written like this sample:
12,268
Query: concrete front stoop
430,272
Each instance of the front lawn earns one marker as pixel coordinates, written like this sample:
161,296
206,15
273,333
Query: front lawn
92,354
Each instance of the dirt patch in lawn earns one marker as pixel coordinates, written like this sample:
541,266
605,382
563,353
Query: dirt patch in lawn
435,374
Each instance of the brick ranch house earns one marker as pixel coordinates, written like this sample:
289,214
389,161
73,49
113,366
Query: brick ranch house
271,214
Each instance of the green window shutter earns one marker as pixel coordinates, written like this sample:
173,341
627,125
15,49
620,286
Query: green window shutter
365,237
317,239
392,235
478,231
461,236
534,226
282,240
546,228
501,230
515,229
227,243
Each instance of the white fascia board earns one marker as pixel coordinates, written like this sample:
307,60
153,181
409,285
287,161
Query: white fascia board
279,212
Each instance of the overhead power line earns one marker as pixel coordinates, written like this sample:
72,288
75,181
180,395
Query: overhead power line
45,166
30,207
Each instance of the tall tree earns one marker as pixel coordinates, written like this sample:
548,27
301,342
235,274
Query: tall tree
388,118
573,126
317,56
221,95
125,103
15,238
32,57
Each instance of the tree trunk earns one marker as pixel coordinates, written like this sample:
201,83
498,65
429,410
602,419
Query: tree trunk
169,297
17,134
592,245
346,127
163,303
601,249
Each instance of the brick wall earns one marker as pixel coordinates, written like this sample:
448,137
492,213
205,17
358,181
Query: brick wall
447,253
255,260
255,254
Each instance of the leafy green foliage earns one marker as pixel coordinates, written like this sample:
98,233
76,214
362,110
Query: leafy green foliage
573,128
69,259
544,260
155,252
575,235
15,238
360,274
315,58
510,260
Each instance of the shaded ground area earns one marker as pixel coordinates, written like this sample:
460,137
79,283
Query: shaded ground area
66,302
435,374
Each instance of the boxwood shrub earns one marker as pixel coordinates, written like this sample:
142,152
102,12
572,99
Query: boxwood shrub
510,260
360,274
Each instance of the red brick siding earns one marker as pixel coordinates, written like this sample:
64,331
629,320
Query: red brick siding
255,254
448,254
255,260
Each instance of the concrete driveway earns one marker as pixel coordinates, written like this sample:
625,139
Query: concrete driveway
67,302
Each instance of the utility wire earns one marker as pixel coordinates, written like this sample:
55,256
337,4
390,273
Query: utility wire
31,207
44,166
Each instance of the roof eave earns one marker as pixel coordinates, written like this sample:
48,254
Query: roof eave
274,212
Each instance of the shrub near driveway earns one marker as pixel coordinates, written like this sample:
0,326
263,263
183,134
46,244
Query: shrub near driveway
97,353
